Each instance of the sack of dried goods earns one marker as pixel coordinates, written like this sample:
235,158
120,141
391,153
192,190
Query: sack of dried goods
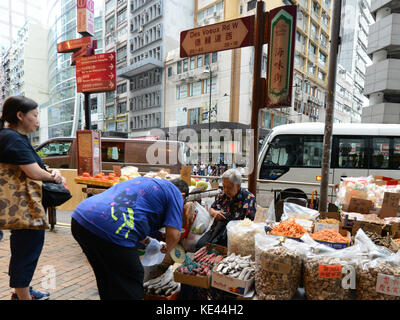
277,268
241,236
379,279
325,269
378,271
330,235
163,285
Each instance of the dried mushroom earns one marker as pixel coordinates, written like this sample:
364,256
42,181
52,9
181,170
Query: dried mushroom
323,279
278,273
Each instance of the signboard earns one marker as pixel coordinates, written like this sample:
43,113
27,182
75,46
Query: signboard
96,73
73,45
221,36
85,17
89,151
281,39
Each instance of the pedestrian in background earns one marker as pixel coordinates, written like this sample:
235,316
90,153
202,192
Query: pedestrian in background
19,118
112,225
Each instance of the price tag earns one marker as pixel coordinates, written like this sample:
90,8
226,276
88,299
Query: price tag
330,271
387,284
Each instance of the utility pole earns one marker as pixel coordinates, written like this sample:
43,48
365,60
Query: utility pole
330,104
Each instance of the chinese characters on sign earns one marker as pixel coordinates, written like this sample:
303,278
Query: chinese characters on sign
282,27
85,17
217,37
96,73
387,284
276,265
330,271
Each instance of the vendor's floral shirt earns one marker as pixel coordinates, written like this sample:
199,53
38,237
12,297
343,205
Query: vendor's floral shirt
242,206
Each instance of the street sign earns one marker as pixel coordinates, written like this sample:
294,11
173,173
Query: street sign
221,36
85,17
96,73
73,45
281,39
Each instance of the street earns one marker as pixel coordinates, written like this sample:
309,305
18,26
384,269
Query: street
62,269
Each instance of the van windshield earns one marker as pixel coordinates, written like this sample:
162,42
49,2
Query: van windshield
54,148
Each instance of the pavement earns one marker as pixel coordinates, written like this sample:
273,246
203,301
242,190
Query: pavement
62,270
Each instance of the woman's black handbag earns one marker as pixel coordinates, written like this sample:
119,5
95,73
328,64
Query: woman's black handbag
54,194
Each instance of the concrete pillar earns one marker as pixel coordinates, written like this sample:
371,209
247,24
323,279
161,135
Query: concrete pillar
376,98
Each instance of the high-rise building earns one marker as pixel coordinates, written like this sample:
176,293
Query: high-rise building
356,19
63,114
14,15
383,76
141,32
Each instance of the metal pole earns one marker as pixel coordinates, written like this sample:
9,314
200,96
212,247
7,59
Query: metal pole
209,113
87,111
330,103
257,94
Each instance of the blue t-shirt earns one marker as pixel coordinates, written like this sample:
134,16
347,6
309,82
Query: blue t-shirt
131,210
15,148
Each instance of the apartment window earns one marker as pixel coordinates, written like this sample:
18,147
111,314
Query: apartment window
251,5
121,16
322,58
110,6
121,108
121,88
169,71
206,59
185,65
195,88
313,49
207,85
214,57
179,67
110,25
121,53
192,62
199,61
181,91
321,76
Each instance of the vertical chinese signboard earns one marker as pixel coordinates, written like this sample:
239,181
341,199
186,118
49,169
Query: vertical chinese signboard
281,39
85,17
89,151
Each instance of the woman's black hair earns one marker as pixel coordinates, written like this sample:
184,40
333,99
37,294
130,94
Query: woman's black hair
181,185
13,105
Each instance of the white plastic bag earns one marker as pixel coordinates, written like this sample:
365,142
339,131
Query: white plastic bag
292,210
202,221
153,255
271,212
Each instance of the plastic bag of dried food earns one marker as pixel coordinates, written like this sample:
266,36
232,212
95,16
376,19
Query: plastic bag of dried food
329,274
292,210
278,269
241,236
379,279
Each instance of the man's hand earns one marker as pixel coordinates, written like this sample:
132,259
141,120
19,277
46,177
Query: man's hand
172,236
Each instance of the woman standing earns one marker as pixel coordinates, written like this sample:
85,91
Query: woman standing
19,118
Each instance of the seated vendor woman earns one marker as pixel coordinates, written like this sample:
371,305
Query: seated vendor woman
233,203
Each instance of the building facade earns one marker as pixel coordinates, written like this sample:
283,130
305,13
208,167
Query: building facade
141,32
356,19
383,76
62,114
14,15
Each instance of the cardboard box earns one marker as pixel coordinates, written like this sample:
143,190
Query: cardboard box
231,285
360,205
195,280
321,226
367,226
390,205
174,296
329,215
